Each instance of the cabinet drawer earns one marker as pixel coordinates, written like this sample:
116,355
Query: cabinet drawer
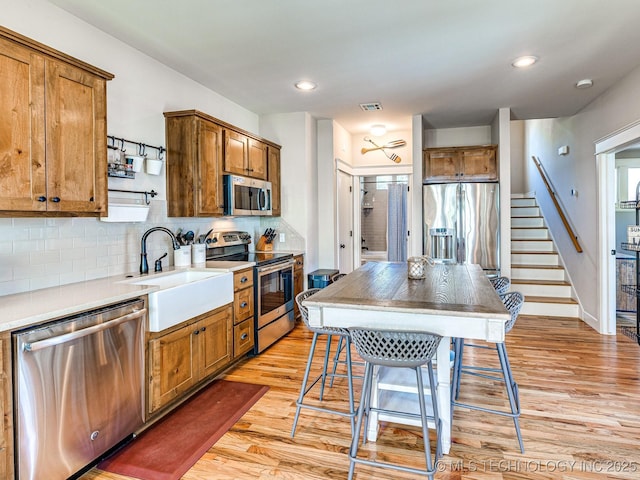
242,279
243,305
243,340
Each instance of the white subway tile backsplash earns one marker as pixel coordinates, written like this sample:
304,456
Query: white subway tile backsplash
42,252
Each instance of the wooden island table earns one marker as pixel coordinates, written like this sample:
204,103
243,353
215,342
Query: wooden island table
452,301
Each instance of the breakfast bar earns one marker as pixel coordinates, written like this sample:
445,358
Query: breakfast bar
452,301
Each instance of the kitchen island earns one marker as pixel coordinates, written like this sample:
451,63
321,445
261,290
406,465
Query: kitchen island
451,301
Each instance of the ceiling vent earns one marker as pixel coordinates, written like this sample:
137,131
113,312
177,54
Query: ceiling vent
371,107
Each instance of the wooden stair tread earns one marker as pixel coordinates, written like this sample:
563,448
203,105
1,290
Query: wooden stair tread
533,265
563,300
563,283
531,240
535,252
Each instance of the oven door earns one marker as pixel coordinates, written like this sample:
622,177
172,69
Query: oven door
274,292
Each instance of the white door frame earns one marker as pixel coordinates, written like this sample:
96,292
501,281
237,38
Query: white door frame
605,150
356,173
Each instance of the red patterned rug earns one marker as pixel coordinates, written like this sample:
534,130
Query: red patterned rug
169,448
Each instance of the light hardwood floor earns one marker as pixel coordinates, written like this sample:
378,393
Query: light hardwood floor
580,399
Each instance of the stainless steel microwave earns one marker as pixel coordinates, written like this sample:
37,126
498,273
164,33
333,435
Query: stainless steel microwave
246,196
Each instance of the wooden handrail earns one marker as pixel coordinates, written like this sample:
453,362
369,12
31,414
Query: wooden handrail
572,235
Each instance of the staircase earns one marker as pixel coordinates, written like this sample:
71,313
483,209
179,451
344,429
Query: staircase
535,266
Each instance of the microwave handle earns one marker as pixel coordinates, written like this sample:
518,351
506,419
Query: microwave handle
262,195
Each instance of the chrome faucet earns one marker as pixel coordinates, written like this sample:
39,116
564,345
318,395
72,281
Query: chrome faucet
144,266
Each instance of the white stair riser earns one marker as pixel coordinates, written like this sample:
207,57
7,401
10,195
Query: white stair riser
523,202
533,259
532,246
529,234
527,222
561,291
550,309
525,212
537,273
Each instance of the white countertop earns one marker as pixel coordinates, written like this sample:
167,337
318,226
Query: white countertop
31,308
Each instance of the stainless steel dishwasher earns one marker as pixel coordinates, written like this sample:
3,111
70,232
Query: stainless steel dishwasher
78,389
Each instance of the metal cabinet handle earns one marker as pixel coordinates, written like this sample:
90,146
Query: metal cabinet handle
244,336
42,198
196,332
67,337
244,280
203,329
55,199
243,304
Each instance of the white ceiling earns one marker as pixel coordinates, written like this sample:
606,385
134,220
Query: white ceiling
448,60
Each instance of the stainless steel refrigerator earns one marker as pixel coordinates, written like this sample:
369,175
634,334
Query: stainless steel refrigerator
462,223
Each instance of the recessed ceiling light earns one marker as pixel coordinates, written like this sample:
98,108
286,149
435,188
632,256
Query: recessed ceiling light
378,130
584,83
305,85
525,61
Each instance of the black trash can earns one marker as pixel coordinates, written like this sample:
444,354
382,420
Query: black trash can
320,278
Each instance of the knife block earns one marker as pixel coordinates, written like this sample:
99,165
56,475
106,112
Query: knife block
263,246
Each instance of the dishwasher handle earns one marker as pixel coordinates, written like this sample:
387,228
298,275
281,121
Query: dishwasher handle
67,337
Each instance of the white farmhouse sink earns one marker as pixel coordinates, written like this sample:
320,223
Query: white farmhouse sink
184,295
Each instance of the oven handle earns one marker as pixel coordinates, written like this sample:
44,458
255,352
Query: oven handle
67,337
278,266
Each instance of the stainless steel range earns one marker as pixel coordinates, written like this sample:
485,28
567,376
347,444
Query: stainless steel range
273,284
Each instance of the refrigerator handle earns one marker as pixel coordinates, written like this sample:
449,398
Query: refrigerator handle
462,246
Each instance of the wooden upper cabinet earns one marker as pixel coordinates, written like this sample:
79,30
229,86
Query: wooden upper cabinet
244,155
76,130
194,167
200,150
235,152
273,175
257,161
475,163
53,160
22,149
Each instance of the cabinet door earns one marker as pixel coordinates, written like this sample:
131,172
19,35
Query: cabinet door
243,338
171,365
257,159
76,134
216,341
208,185
242,279
22,148
441,165
273,175
235,152
243,305
478,163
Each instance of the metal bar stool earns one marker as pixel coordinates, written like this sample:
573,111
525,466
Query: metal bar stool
402,350
330,332
341,342
501,284
513,301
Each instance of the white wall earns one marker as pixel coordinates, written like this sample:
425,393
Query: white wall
616,108
457,137
299,186
517,161
42,252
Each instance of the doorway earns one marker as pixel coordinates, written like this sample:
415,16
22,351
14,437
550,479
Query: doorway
383,218
606,150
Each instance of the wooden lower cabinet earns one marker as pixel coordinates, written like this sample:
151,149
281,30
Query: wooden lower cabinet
243,306
298,281
186,355
243,337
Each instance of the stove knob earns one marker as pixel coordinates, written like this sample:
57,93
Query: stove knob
214,240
